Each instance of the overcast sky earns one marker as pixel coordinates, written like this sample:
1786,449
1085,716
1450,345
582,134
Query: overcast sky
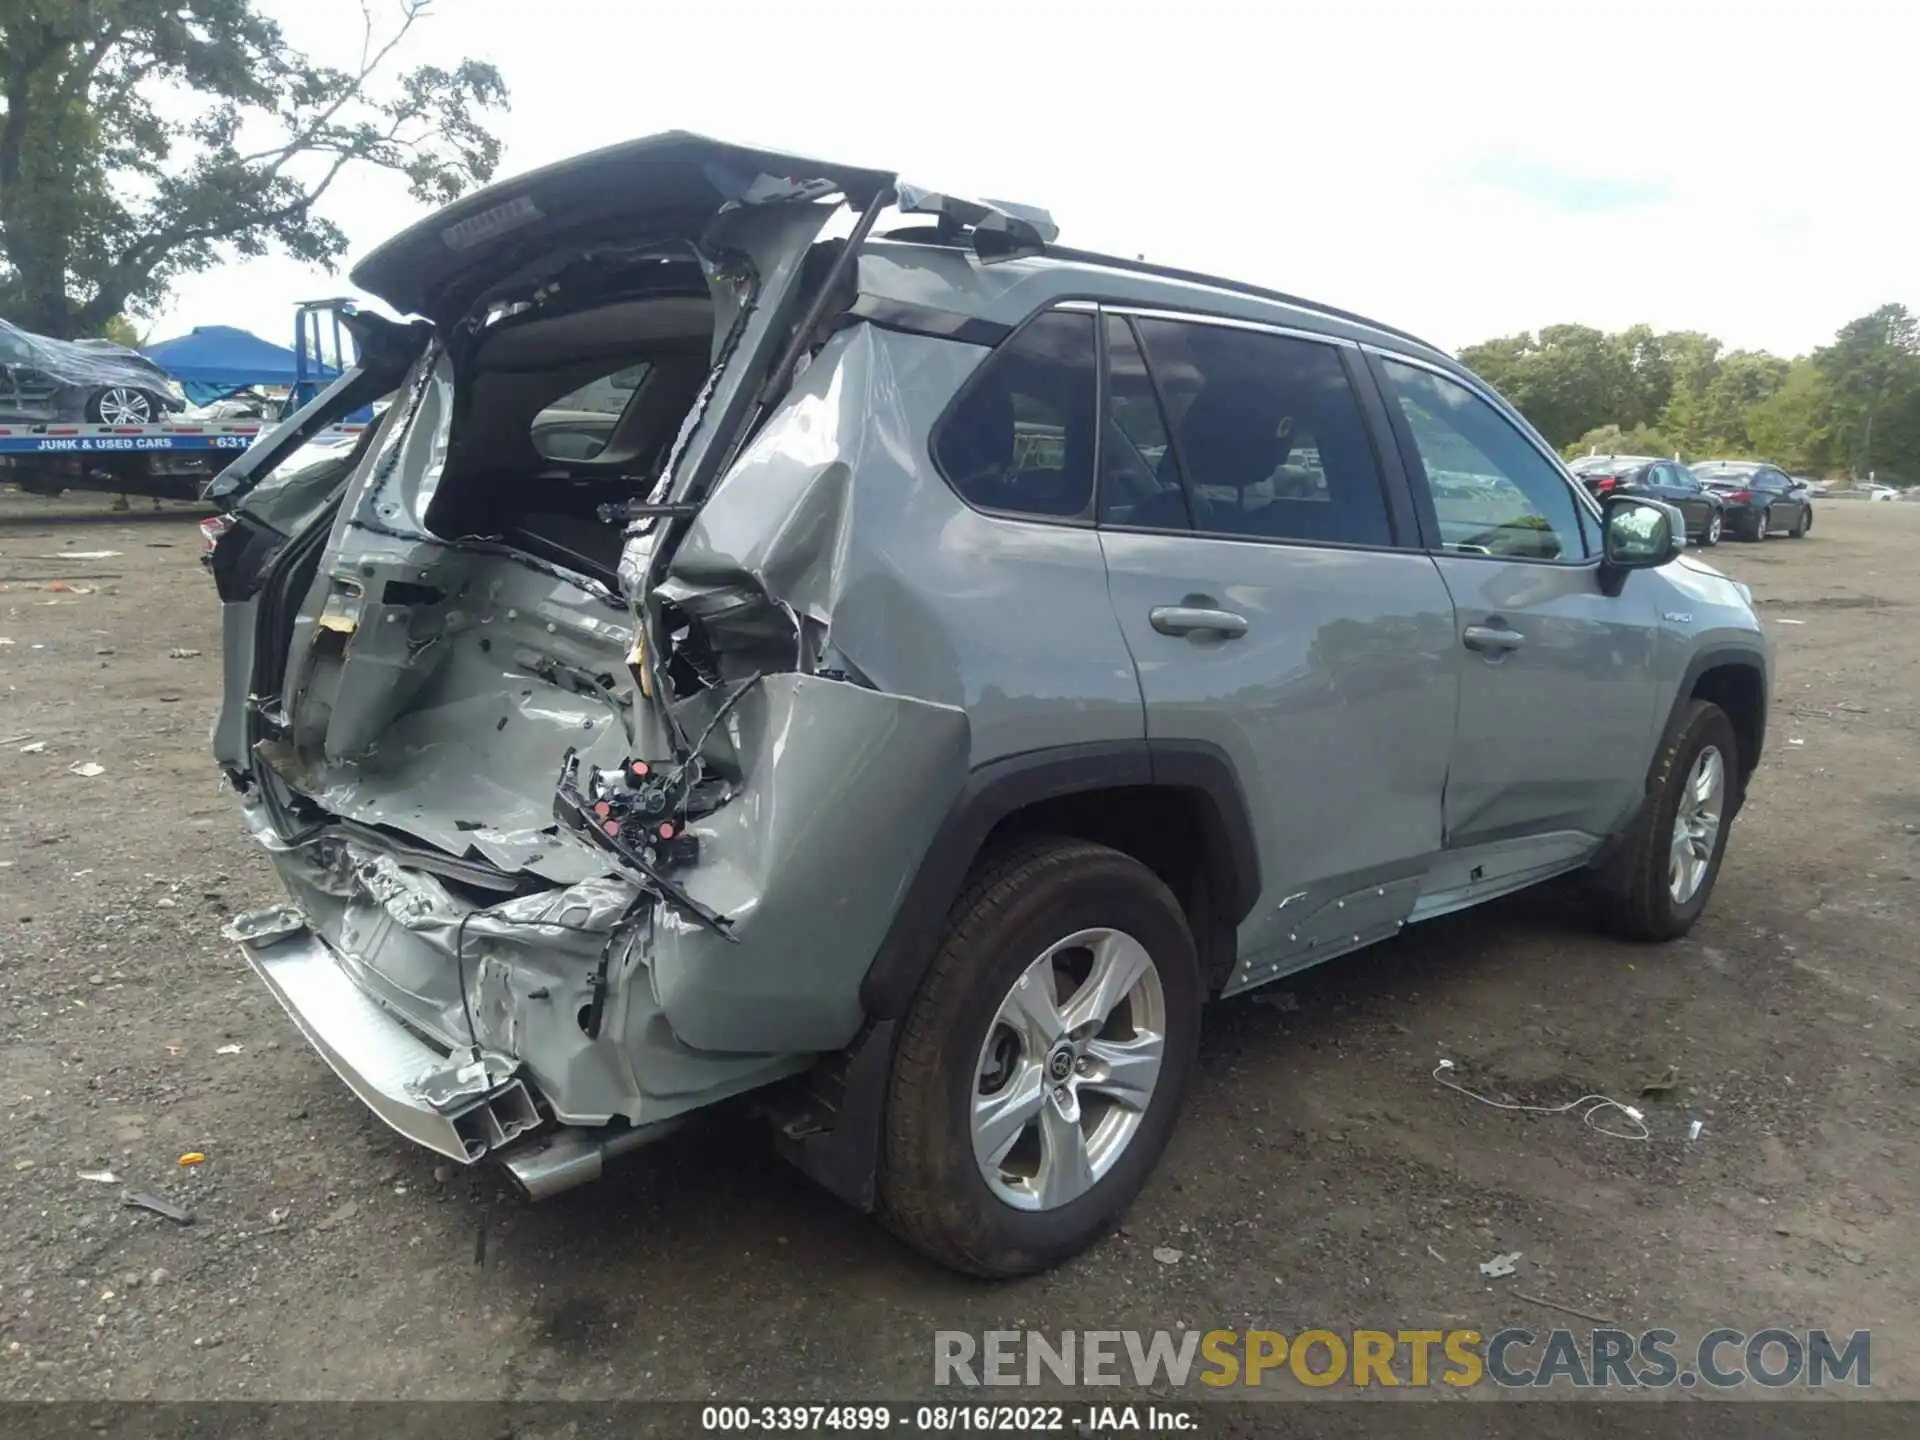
1458,169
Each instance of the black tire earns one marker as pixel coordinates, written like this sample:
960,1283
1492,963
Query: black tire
1643,907
1803,524
1017,904
1710,534
1753,525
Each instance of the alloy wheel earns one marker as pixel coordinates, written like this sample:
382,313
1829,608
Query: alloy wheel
1696,825
124,406
1068,1069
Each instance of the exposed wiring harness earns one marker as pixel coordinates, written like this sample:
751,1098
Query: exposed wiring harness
1586,1107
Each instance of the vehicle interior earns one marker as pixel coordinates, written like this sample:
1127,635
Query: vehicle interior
547,427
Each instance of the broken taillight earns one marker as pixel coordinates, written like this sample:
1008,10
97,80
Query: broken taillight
211,529
1603,483
1740,497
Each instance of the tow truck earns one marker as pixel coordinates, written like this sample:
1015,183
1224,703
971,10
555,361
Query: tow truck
176,461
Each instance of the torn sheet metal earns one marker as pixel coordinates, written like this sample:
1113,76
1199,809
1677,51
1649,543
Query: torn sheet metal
532,966
843,790
449,721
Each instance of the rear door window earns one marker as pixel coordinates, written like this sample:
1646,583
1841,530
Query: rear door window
1020,438
1263,432
1494,493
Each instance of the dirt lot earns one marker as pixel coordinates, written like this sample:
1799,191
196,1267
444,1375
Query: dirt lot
1321,1176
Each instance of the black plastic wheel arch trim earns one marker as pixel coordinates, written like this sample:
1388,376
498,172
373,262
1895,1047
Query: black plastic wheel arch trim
1002,788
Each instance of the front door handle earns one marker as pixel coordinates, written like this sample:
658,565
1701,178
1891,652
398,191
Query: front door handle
1190,620
1492,638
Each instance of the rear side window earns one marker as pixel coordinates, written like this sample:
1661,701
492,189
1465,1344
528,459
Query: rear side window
1020,438
1266,436
1493,492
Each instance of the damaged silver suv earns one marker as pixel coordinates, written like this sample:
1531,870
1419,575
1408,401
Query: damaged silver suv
800,635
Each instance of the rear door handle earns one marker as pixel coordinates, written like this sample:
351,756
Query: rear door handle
1188,620
1492,638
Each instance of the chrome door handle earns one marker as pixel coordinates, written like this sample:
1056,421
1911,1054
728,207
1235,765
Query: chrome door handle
1492,637
1187,620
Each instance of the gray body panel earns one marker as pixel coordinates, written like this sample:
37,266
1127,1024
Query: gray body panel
1338,700
1586,663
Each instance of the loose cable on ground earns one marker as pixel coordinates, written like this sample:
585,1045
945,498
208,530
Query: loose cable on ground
1586,1107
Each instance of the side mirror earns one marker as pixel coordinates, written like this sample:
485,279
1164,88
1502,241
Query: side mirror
1637,535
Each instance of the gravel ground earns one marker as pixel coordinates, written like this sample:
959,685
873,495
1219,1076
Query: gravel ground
1321,1177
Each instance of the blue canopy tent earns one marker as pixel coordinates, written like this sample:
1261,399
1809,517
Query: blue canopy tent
215,361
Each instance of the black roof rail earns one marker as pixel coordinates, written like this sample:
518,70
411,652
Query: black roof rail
1215,282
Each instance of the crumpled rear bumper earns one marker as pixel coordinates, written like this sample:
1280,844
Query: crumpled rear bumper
460,1109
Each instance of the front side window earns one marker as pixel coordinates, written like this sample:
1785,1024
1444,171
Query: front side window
14,349
1020,438
1266,436
1493,492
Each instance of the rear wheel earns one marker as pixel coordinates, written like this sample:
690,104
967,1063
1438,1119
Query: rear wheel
1753,525
1710,537
1042,1063
1674,852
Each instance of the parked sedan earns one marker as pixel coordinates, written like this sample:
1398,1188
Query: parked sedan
1668,480
91,381
1760,499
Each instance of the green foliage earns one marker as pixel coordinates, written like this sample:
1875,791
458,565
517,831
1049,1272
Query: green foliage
123,331
143,140
1851,406
1612,440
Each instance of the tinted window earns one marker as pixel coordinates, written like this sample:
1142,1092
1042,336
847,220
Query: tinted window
1493,491
1021,436
1266,436
1769,480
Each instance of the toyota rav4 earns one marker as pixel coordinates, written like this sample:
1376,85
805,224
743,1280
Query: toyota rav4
802,635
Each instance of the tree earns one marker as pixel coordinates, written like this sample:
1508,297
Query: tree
1872,373
1612,440
1855,402
1789,425
123,331
107,195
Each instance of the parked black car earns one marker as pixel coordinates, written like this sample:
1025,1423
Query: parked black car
92,382
1761,499
1667,480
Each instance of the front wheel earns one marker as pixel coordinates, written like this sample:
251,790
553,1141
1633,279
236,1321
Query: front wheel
1803,524
1042,1063
1674,852
121,405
